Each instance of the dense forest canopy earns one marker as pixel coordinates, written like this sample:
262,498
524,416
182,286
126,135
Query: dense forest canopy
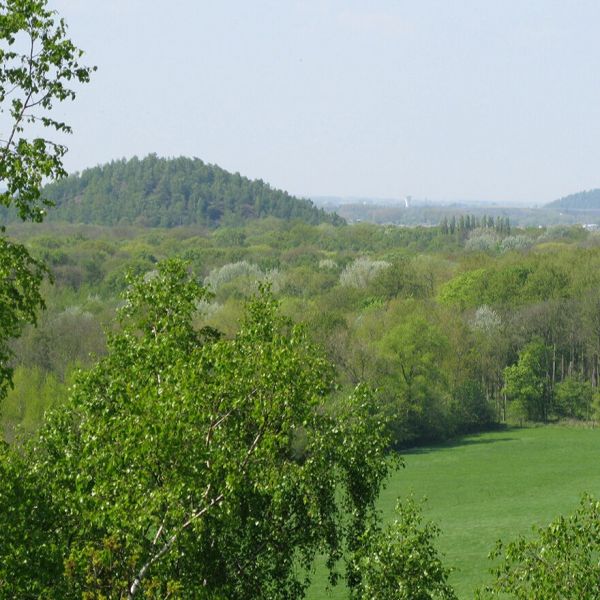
430,316
170,192
587,200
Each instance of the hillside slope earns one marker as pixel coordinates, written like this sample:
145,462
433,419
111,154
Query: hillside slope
589,200
161,192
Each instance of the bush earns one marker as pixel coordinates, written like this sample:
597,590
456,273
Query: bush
361,272
560,563
573,398
401,562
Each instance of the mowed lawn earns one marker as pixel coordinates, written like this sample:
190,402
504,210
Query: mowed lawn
490,486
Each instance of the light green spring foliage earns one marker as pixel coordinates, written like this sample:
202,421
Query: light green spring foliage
38,66
29,560
525,383
573,398
20,277
413,380
175,467
35,392
464,289
544,293
560,563
401,562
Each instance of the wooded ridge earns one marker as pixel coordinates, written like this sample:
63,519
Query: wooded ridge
170,192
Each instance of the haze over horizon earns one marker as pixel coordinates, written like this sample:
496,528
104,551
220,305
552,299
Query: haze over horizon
498,100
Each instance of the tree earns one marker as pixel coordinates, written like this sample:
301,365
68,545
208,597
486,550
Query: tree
401,562
573,398
526,383
38,65
197,466
560,562
414,380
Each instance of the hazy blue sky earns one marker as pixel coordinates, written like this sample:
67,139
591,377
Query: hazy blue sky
471,99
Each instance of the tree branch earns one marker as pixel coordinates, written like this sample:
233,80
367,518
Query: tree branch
135,586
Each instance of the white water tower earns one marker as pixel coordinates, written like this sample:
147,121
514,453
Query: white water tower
407,200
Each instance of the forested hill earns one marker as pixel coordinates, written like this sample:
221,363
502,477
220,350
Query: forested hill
589,200
161,192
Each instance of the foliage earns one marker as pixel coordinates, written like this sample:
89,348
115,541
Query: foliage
573,398
227,273
414,380
470,410
27,552
465,289
560,562
361,272
486,320
400,279
515,242
589,199
173,466
482,240
401,562
38,65
327,263
163,192
35,392
243,275
20,298
526,382
548,294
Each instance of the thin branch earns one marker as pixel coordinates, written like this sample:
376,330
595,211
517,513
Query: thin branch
158,533
135,586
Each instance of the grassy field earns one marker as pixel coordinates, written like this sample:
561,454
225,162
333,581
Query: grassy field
491,486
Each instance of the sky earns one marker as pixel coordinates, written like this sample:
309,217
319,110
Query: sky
493,100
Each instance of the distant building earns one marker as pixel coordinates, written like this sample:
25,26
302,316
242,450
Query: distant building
407,200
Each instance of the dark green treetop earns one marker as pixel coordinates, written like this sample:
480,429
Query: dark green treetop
169,192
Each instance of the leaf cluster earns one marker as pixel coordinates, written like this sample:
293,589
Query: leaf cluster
561,561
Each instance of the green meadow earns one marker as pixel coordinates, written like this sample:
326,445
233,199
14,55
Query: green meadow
491,486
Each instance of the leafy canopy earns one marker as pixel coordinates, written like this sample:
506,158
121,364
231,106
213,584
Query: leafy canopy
204,467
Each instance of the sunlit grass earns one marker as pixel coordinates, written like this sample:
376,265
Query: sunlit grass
491,486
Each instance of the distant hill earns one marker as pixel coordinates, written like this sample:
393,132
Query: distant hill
589,200
161,192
